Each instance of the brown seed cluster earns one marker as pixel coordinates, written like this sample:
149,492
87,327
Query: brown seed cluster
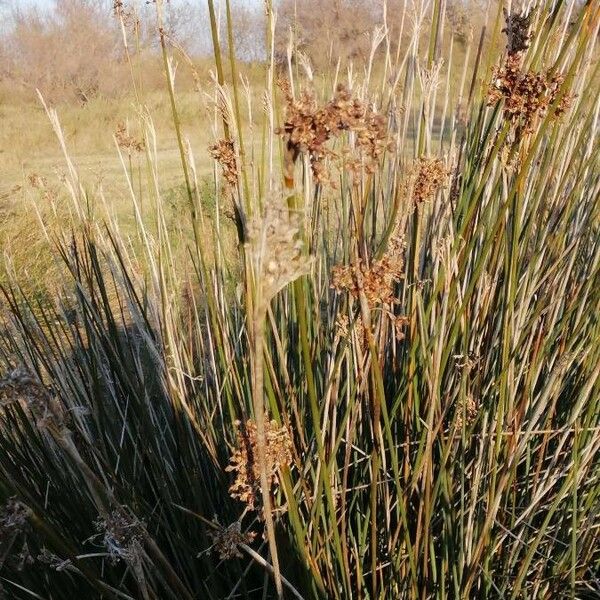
122,535
244,461
376,280
126,141
430,175
527,94
223,151
517,26
399,323
345,329
13,517
466,412
227,540
22,386
308,128
37,181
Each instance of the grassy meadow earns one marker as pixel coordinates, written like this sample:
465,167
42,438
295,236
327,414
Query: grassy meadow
285,330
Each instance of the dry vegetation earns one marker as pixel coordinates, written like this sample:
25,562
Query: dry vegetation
314,316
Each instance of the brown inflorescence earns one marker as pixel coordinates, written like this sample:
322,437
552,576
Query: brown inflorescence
430,175
244,460
227,540
122,535
466,412
376,280
308,128
126,141
527,94
24,387
223,151
13,517
517,25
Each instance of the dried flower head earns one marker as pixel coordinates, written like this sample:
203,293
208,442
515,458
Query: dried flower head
399,323
37,181
526,94
346,330
13,522
375,280
54,561
276,250
308,128
466,411
122,535
22,386
13,517
517,26
430,175
223,151
227,540
278,451
126,141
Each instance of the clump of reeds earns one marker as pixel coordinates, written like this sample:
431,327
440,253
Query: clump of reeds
384,388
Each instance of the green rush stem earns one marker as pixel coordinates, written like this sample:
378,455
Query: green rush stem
236,99
258,323
174,112
218,60
302,311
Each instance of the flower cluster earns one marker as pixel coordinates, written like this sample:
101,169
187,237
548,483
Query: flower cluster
244,461
223,151
466,412
527,94
430,175
308,128
22,386
227,540
13,517
517,26
122,536
376,280
126,141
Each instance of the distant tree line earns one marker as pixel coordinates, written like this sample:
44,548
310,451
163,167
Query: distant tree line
74,50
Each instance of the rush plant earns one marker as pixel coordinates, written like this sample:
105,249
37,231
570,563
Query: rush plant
373,372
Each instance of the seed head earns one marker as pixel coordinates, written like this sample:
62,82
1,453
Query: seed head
227,540
308,128
122,535
430,175
276,250
223,151
526,94
278,451
126,141
376,280
517,31
466,411
13,517
20,385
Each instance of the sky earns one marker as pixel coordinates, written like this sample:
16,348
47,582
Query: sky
47,3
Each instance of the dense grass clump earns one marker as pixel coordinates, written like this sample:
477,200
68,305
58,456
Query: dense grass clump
367,367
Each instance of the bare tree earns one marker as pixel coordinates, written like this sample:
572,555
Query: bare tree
71,51
327,30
